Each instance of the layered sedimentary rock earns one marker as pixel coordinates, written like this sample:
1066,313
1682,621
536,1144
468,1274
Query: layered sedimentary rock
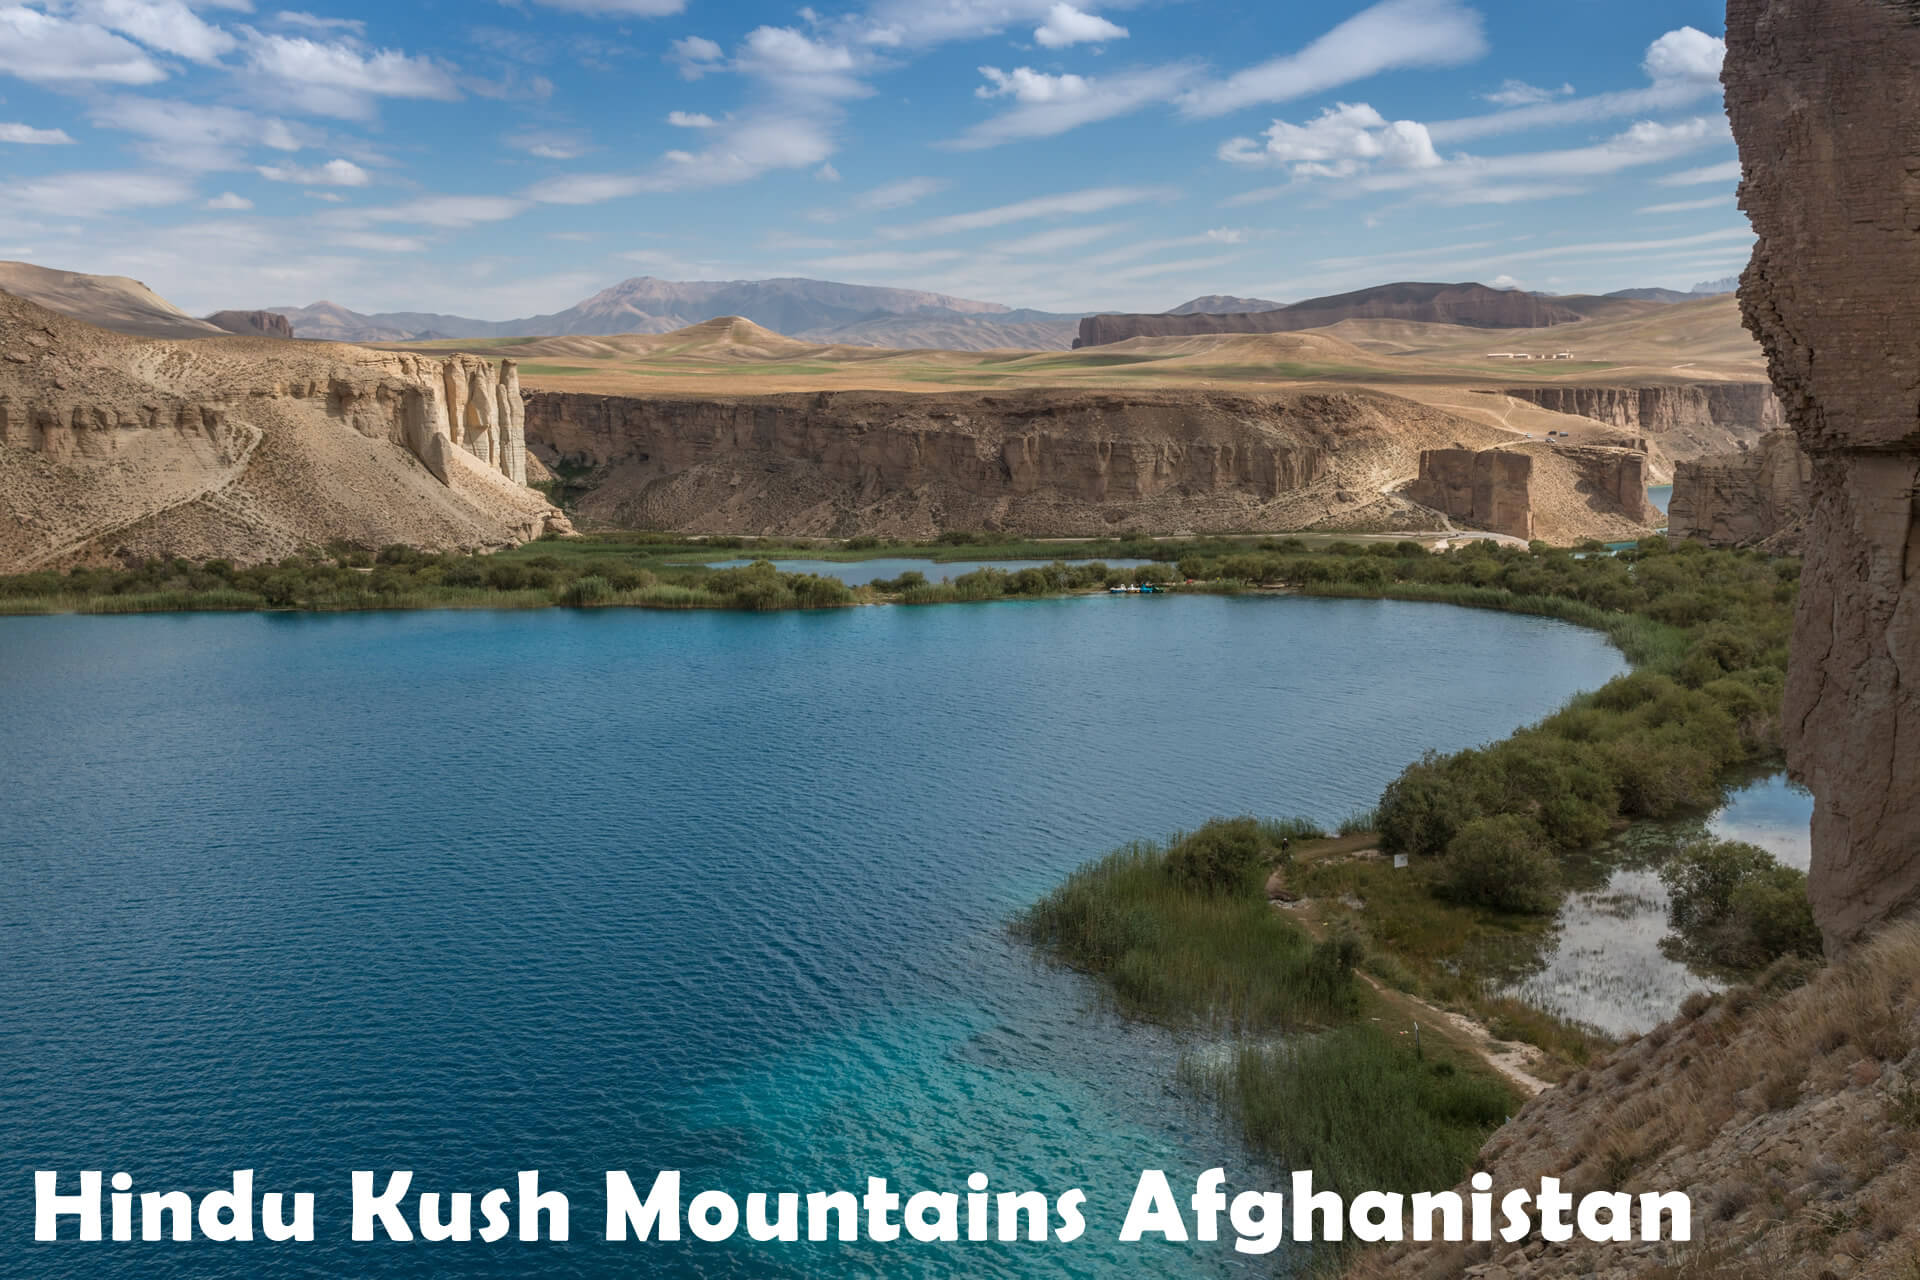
1044,461
253,324
111,445
1473,305
1755,496
1825,105
1741,406
1490,488
1617,476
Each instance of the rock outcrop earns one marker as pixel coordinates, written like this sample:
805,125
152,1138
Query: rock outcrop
1068,462
1473,305
1825,105
1490,488
249,450
1617,476
253,324
1752,498
1742,407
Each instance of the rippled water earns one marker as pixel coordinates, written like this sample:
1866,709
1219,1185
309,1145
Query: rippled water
1605,965
469,893
858,573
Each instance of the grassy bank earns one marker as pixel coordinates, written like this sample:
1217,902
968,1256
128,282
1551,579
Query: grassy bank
1484,831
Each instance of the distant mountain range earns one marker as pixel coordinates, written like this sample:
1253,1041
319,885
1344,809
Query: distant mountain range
821,311
814,310
1705,289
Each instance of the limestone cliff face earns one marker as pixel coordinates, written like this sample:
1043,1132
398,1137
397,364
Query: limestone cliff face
435,405
1825,106
1759,495
1742,406
1490,488
249,450
1046,461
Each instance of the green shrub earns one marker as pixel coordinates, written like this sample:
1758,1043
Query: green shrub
586,592
1502,863
1733,904
1217,857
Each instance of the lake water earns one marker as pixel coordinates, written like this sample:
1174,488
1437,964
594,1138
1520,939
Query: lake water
1606,966
1660,495
858,573
469,893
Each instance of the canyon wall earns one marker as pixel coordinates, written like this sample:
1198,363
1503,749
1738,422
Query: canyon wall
1043,461
1825,106
1741,406
253,324
1489,488
1757,496
118,446
1473,305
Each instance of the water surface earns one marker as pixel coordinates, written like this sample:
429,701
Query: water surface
469,893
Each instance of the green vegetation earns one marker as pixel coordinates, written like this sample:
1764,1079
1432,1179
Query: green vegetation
1735,906
1184,935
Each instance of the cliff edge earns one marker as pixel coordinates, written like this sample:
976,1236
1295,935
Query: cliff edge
1825,105
249,449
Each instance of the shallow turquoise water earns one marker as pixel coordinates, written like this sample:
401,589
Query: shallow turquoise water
469,893
858,573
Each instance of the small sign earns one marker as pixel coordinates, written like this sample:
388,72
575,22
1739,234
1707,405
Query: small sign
1399,861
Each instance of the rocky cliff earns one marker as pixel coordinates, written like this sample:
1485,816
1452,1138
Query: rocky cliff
1753,497
1473,305
248,450
1035,461
1490,488
1677,416
253,324
1826,108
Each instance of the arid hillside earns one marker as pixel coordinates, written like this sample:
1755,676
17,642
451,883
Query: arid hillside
248,448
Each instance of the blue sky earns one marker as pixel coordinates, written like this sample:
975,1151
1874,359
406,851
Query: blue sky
497,158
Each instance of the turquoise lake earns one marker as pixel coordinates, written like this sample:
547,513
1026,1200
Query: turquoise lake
469,893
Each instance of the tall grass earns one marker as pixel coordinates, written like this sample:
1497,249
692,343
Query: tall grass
1359,1107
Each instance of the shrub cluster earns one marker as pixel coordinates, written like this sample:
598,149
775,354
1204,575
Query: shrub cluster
1733,904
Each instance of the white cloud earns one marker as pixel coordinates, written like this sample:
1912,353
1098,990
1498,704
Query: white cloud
898,195
166,25
743,149
548,146
1518,93
376,243
187,135
341,78
584,188
79,195
619,8
1686,54
1067,25
1053,104
885,260
1058,240
313,22
1024,84
1727,172
229,202
1688,206
1504,281
438,211
27,136
796,62
690,120
1391,35
1682,67
334,173
695,56
48,50
826,173
1341,140
1090,200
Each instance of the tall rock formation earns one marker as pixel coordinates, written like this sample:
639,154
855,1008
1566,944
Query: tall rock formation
112,446
1825,104
1490,488
1744,499
253,324
1743,406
